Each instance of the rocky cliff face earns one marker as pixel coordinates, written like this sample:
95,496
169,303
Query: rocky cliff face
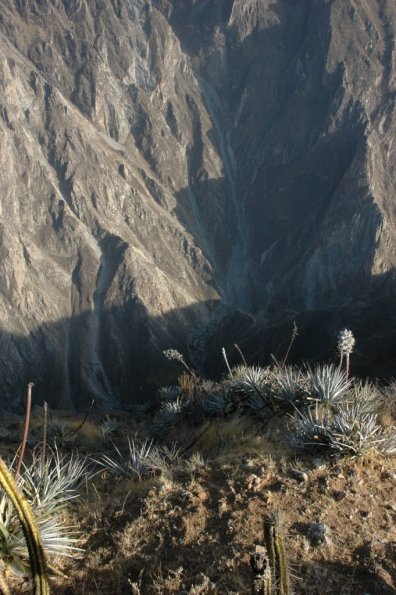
165,163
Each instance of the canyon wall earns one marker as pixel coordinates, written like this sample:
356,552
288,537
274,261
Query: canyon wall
168,169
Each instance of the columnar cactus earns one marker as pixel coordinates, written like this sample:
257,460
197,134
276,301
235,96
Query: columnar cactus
36,553
276,554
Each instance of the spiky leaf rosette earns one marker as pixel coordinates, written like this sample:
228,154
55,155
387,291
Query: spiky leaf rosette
28,523
135,464
327,384
48,485
289,385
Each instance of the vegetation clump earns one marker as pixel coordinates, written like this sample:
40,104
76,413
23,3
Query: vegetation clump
197,472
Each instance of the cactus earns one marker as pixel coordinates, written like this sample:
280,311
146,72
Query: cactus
262,579
269,539
284,581
276,555
36,554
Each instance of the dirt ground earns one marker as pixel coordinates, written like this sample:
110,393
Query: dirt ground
194,532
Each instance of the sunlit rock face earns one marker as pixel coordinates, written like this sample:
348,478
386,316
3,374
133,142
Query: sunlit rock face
164,164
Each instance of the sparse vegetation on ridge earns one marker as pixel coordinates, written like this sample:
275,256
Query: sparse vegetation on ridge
177,498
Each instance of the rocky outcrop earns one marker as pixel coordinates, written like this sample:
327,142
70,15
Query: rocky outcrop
165,163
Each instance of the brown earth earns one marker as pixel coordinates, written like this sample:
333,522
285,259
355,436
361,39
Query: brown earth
194,532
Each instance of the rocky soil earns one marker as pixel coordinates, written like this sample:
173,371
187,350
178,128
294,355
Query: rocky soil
193,532
197,535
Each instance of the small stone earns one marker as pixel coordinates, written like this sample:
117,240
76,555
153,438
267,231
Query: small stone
252,477
232,489
298,475
389,474
222,506
339,495
323,486
319,463
267,497
247,463
253,482
317,533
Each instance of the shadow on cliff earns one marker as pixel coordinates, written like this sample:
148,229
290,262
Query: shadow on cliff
122,368
127,363
373,324
131,343
286,169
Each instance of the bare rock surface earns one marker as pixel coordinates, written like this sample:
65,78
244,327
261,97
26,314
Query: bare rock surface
164,164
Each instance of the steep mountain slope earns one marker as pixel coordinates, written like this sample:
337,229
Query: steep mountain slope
164,163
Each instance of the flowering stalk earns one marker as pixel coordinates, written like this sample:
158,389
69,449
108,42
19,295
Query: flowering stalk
173,354
45,425
226,361
240,353
26,428
292,339
346,342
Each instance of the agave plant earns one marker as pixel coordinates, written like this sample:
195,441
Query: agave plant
195,462
289,384
387,444
163,459
137,464
251,380
366,396
350,430
57,538
173,407
12,544
312,431
248,377
142,460
61,432
388,398
327,383
166,417
108,428
213,405
255,403
354,431
48,485
141,410
169,392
